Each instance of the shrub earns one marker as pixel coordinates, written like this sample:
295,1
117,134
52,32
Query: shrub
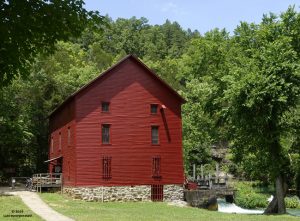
249,196
292,202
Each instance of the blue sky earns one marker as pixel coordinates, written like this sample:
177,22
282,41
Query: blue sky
202,15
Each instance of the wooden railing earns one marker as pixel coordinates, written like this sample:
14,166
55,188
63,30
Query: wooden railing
40,180
209,182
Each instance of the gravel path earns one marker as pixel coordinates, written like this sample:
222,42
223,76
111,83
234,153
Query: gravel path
34,202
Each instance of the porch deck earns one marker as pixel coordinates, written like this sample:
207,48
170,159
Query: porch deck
49,180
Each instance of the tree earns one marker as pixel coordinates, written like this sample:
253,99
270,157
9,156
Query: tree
16,137
292,142
263,86
26,104
245,89
200,69
197,124
32,27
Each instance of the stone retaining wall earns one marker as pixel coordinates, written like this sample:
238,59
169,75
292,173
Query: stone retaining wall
203,198
123,193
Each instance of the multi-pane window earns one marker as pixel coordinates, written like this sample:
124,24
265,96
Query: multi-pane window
106,165
153,108
105,106
105,133
52,145
156,173
59,141
154,135
69,135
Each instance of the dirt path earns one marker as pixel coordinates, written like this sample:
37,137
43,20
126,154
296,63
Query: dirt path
34,202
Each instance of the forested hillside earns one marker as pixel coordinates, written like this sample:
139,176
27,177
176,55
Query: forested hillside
242,88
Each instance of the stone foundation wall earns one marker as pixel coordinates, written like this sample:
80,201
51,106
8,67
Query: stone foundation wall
123,193
110,193
173,192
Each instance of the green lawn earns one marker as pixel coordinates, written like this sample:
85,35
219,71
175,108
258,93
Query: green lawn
90,211
12,208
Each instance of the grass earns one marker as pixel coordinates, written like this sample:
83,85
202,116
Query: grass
90,211
12,206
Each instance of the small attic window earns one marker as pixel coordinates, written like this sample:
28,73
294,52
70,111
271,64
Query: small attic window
105,106
153,108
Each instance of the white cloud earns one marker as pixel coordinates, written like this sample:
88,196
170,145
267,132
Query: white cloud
172,8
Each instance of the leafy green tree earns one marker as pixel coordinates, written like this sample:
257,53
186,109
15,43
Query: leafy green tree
136,36
174,37
26,104
155,46
200,69
32,27
167,69
292,142
262,87
197,124
15,149
125,35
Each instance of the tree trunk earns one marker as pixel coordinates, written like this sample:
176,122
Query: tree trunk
280,193
277,205
272,207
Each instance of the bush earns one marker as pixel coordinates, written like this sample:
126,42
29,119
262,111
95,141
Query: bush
292,202
249,196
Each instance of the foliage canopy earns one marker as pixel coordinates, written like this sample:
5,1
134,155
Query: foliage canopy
32,27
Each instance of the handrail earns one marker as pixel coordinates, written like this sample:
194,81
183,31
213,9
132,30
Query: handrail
42,179
42,174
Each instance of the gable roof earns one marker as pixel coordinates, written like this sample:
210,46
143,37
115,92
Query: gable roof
130,56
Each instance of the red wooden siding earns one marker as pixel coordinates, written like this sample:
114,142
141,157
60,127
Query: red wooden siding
130,91
59,123
128,159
